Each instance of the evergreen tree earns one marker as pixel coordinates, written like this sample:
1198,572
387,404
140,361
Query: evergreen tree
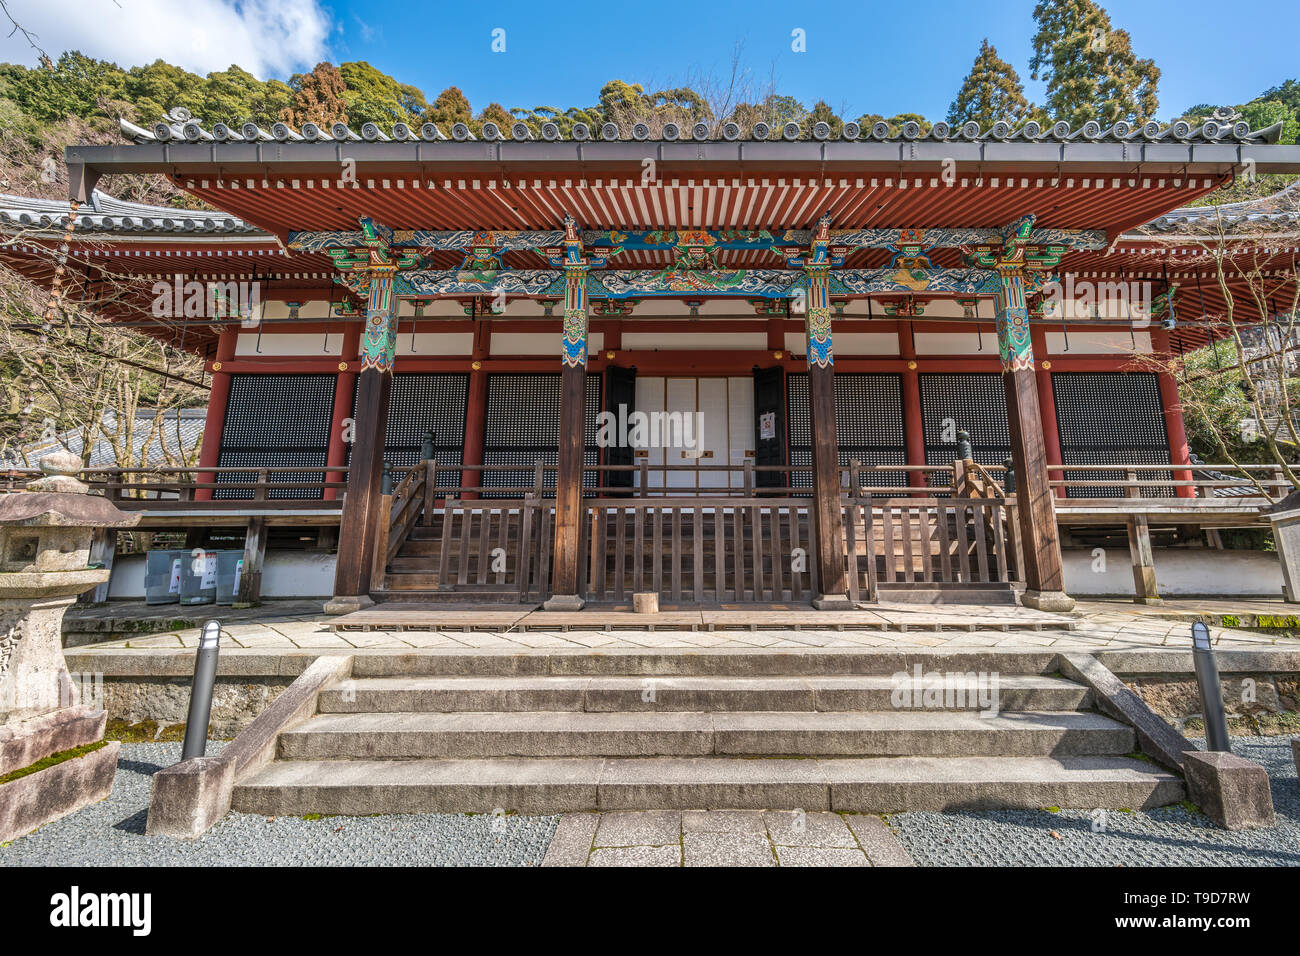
1090,69
991,92
451,106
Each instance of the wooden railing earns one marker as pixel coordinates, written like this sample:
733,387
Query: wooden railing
399,510
724,550
945,541
172,488
1224,483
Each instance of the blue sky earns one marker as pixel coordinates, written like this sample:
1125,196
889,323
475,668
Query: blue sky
867,56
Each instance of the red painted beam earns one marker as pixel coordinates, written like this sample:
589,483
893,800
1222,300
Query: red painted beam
218,399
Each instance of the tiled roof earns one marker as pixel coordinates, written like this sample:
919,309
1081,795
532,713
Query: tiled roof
181,127
1280,210
106,214
174,441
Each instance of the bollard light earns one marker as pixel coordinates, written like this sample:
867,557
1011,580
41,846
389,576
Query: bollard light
205,678
1207,679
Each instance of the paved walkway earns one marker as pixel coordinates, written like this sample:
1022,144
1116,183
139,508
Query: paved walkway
723,838
1112,625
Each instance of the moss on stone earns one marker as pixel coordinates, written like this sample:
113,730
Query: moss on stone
52,760
143,732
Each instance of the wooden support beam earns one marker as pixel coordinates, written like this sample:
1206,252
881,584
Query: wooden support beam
1171,406
913,424
1047,403
1044,577
1144,570
361,515
1139,549
476,409
250,575
218,399
828,525
345,386
567,542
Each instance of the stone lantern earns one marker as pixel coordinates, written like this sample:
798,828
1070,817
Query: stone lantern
45,535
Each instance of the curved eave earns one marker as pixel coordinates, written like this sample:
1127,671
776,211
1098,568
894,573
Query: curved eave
184,158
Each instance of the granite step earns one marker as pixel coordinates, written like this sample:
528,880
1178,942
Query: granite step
444,694
567,784
698,662
405,735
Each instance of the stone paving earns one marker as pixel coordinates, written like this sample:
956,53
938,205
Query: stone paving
1100,625
723,838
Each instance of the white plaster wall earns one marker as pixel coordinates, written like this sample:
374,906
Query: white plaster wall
846,343
957,343
1099,343
1198,571
288,343
693,341
538,343
285,574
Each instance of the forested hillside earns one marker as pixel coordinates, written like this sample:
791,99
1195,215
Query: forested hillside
78,99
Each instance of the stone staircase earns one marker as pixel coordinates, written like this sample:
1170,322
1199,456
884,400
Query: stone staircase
553,732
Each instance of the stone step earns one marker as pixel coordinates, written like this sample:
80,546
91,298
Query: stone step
698,662
622,694
573,734
557,785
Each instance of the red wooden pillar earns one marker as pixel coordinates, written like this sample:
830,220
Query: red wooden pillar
572,438
345,386
913,423
359,522
1047,405
827,511
1171,406
476,409
1044,577
214,423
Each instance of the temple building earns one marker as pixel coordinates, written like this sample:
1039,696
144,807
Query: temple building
719,366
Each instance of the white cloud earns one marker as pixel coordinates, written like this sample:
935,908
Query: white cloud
265,37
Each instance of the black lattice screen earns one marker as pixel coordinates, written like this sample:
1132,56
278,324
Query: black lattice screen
868,423
280,423
1110,418
523,426
420,401
975,402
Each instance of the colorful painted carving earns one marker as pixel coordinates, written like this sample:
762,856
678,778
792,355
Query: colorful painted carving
817,325
379,341
674,282
573,347
1022,266
1014,343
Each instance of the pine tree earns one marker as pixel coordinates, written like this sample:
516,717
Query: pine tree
991,92
1090,70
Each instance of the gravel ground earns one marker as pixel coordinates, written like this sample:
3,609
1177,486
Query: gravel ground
1167,836
111,833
